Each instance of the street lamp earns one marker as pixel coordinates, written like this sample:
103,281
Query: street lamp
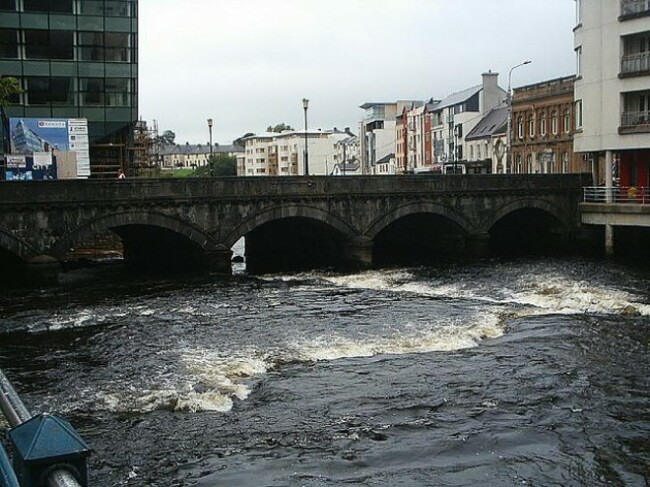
509,103
305,105
210,129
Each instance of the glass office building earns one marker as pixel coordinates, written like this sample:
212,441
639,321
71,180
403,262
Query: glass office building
76,59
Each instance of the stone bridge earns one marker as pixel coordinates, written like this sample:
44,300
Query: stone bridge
303,221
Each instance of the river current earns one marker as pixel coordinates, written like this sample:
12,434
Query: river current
531,371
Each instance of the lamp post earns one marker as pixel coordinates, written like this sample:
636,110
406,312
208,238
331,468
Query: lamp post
305,106
210,129
509,103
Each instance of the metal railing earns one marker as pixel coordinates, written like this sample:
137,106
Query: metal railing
16,413
632,7
635,63
616,194
635,118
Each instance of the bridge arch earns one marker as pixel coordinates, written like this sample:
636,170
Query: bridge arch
529,204
294,237
289,211
419,207
111,222
16,246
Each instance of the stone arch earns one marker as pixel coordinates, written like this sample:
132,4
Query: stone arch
106,222
16,246
430,207
529,204
289,211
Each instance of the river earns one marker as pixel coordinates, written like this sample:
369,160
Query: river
529,371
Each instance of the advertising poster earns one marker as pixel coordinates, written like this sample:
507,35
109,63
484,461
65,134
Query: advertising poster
62,139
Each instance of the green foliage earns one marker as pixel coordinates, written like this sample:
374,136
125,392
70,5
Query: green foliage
281,127
8,86
218,166
167,138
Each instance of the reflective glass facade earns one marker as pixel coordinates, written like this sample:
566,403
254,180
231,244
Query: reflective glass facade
76,59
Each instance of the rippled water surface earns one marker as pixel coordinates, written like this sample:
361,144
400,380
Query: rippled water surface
522,372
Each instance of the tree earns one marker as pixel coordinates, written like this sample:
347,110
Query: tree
281,127
8,87
219,165
167,138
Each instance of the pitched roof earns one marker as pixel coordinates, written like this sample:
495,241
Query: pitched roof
458,97
490,124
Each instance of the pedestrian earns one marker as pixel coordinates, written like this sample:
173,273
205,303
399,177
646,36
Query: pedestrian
120,174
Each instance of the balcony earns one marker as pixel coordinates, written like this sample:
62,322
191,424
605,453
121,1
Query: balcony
631,9
635,122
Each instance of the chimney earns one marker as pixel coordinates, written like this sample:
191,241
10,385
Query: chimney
491,96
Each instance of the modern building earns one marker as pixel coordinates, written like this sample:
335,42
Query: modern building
283,154
456,115
612,88
346,155
76,59
377,131
543,126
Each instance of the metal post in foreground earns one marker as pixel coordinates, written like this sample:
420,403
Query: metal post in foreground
64,451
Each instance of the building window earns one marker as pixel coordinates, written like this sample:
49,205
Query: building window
109,46
9,43
104,8
566,121
531,126
518,164
117,92
55,6
579,61
578,114
520,127
91,91
565,162
45,91
529,163
8,5
554,122
44,44
542,124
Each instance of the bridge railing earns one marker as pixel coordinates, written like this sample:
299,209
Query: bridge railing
617,194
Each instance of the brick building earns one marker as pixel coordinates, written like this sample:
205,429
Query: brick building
543,124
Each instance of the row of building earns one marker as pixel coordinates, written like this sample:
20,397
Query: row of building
76,59
597,120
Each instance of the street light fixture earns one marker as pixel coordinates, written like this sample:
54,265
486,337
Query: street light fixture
210,129
305,106
509,103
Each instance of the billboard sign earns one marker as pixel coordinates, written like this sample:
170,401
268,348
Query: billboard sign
59,137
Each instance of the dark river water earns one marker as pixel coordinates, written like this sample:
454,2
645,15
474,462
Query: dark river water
493,373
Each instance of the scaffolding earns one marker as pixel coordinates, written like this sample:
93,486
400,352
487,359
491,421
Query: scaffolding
146,147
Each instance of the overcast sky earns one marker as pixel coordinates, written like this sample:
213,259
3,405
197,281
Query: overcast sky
247,64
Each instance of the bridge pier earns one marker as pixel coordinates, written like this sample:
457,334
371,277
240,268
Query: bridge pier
478,245
357,253
42,270
220,261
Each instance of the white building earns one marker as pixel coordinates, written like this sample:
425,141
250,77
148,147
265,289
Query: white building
612,88
456,115
377,132
191,156
486,143
283,154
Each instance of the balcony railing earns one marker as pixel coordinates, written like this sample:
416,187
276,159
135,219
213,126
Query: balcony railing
617,194
634,7
635,63
630,119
